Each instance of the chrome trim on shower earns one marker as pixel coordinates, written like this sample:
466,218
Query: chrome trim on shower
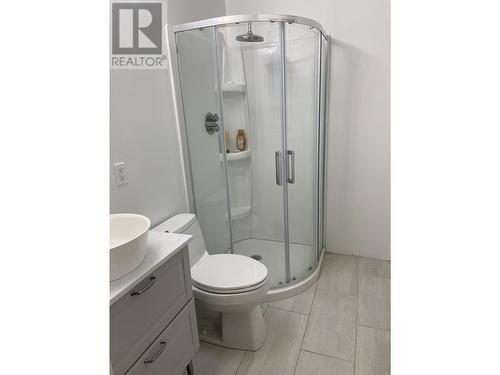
284,146
317,138
326,110
241,18
176,79
222,149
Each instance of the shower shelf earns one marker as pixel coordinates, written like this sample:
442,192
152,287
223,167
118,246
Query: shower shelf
240,212
237,155
234,87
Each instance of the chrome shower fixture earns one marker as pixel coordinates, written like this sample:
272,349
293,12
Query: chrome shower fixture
249,36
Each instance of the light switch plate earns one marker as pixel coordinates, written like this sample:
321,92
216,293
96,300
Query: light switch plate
120,173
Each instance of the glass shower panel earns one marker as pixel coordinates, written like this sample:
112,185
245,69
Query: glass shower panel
302,64
251,100
204,136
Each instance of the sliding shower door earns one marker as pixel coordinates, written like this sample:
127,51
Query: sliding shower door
204,139
302,95
250,83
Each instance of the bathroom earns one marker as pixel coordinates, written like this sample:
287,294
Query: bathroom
229,187
240,93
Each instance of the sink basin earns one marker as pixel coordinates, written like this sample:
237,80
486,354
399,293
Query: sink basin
128,234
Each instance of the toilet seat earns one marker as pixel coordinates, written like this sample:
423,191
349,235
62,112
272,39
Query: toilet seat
228,274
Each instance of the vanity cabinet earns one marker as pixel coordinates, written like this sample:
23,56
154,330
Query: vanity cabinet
153,327
173,349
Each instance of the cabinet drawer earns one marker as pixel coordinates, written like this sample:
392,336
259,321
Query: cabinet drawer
137,318
173,349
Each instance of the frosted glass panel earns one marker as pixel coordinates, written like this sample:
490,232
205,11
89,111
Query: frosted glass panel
199,97
302,95
251,74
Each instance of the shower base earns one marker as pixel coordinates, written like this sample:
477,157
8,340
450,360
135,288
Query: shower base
303,270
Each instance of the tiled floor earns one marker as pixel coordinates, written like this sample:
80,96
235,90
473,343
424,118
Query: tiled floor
339,326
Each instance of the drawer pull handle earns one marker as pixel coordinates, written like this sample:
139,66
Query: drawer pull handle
149,285
163,344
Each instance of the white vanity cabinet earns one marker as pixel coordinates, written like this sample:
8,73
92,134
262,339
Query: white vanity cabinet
153,327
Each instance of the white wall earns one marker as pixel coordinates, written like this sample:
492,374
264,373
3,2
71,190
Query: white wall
358,178
181,11
144,134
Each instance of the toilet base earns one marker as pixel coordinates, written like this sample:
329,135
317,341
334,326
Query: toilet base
244,330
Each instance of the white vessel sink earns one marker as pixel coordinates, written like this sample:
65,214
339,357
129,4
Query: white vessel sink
128,234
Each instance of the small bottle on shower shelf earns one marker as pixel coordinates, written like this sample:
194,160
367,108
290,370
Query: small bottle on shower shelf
241,140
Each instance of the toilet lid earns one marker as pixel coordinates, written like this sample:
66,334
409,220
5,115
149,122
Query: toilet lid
228,272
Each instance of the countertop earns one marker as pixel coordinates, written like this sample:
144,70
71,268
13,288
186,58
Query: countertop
159,248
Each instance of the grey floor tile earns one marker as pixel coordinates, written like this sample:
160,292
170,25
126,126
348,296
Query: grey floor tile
332,325
374,267
317,364
301,303
213,359
279,354
339,273
373,352
374,302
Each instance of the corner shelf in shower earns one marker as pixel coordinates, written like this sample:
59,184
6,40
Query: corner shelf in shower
237,155
240,212
234,87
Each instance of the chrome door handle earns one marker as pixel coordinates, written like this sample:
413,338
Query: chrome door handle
277,164
149,285
163,344
291,166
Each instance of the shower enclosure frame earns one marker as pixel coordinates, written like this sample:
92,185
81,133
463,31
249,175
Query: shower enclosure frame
319,192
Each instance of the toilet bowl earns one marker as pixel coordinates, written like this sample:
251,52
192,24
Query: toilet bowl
227,289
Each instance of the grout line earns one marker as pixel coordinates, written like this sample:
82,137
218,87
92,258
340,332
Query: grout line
326,355
314,296
380,329
241,361
279,308
307,323
357,256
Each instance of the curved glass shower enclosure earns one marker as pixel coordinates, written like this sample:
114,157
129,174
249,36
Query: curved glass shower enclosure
267,75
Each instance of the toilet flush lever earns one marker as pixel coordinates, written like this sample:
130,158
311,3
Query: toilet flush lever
211,123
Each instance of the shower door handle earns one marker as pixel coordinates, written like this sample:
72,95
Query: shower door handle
291,166
277,165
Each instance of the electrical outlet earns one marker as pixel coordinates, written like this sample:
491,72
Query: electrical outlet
120,173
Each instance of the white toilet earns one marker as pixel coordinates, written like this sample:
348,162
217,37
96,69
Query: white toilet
227,288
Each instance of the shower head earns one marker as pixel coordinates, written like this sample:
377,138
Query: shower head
249,36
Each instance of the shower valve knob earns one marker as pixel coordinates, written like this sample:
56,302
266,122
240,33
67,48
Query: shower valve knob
211,123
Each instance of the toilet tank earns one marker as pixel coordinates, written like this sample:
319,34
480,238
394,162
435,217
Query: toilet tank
186,224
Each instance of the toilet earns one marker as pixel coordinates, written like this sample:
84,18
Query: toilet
228,290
